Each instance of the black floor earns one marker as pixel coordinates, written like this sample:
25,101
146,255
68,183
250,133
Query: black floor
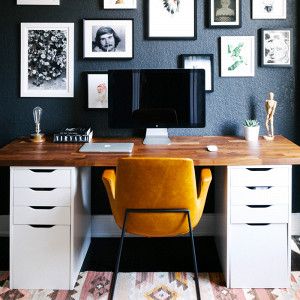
142,254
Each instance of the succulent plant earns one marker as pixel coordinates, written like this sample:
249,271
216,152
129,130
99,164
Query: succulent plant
251,123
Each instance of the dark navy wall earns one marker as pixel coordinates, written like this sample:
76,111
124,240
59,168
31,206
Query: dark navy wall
233,100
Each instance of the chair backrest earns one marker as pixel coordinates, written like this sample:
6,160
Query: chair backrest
156,183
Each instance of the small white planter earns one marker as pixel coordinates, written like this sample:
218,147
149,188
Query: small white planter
251,133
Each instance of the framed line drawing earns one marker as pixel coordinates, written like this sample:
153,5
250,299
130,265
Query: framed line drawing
201,61
225,13
47,59
38,2
119,4
97,90
237,56
277,50
171,20
269,9
108,38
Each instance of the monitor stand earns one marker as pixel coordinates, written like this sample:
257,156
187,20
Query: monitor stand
157,136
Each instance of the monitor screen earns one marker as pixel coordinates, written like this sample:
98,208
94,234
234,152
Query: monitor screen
158,98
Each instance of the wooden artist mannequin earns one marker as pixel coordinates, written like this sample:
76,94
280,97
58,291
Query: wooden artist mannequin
270,106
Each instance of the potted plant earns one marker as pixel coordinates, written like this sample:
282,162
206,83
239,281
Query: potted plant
251,130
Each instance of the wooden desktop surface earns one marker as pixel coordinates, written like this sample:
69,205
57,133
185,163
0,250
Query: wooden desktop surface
233,151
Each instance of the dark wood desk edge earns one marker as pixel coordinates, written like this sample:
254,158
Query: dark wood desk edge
233,151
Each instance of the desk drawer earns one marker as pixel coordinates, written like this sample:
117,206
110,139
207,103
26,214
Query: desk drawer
42,196
42,215
263,195
41,178
41,257
267,176
277,213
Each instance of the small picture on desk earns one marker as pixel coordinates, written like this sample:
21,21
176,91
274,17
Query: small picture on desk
97,91
47,59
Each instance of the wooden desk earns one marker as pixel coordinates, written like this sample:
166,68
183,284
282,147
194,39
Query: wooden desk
233,151
253,206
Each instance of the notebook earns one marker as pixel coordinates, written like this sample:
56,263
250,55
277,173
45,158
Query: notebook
107,147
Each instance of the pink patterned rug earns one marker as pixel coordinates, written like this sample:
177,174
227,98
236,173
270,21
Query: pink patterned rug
151,286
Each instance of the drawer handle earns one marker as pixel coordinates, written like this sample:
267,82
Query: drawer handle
43,189
258,224
42,226
258,187
259,169
42,170
259,206
42,207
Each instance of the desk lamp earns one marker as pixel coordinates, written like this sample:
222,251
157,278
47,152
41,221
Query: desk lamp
37,137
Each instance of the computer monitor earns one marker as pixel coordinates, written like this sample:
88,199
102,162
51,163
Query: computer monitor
156,99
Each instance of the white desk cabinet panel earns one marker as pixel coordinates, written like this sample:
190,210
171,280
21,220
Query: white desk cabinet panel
41,257
259,256
42,216
50,226
42,196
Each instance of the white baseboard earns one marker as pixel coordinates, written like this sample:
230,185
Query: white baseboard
105,226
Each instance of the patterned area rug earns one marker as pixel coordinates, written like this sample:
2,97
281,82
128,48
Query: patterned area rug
151,286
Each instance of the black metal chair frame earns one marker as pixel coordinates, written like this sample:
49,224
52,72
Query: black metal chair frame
159,210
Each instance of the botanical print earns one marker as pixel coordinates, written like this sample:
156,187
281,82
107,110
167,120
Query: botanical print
277,47
97,91
225,11
47,59
237,56
172,6
269,9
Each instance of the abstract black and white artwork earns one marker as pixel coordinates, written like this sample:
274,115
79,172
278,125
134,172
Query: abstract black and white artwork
172,19
47,58
108,38
269,9
276,48
225,13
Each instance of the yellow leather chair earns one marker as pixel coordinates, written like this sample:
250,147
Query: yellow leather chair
156,197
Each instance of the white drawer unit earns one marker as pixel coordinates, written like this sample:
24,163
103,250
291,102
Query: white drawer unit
49,226
253,204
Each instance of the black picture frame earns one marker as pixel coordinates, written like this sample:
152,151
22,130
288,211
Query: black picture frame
196,61
223,17
101,103
169,25
280,53
124,49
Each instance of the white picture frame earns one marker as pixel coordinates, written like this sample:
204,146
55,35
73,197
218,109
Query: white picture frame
168,20
277,50
237,56
97,90
38,2
226,14
201,61
269,9
108,38
113,4
48,72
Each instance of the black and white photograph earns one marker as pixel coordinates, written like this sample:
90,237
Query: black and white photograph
108,38
201,61
269,9
276,48
172,20
38,2
119,4
47,59
225,13
97,90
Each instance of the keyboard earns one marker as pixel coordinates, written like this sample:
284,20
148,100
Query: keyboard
107,147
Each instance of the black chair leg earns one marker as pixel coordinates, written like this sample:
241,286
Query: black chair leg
194,258
128,211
